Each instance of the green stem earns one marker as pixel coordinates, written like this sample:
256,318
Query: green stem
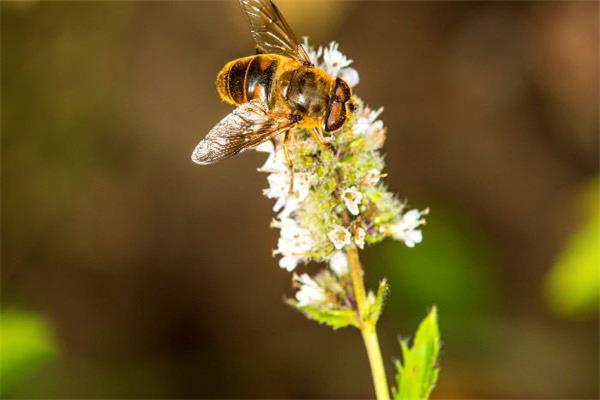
367,329
369,335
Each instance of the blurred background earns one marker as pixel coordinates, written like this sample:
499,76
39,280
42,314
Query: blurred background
129,272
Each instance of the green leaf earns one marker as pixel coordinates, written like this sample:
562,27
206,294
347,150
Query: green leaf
333,317
417,374
374,303
572,287
26,345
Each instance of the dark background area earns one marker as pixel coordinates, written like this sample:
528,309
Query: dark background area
155,275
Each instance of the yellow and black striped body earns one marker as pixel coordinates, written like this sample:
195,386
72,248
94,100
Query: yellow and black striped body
249,78
287,87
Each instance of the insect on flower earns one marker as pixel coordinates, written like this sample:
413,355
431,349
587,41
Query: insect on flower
274,91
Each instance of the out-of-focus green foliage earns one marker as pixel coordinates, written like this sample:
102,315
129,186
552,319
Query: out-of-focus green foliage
573,284
26,345
451,268
418,372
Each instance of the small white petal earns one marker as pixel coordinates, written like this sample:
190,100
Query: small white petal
367,122
353,208
350,75
407,230
362,126
338,262
411,217
415,236
334,60
291,205
279,204
294,243
279,187
310,293
275,162
301,185
288,263
359,238
372,177
339,236
265,147
352,199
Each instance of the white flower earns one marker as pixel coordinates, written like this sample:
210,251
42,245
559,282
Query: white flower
276,161
359,238
339,236
406,229
333,61
372,177
289,263
350,75
313,54
279,186
367,122
265,147
293,237
352,199
338,262
280,182
310,293
294,243
338,65
279,189
301,185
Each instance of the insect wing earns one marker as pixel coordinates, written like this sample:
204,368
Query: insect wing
271,32
245,127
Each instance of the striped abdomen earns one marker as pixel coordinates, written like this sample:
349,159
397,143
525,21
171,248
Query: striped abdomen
247,78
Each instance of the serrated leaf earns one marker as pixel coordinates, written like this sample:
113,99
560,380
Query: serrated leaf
417,374
374,303
335,318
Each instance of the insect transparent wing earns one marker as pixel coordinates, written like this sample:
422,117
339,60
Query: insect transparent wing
245,127
271,32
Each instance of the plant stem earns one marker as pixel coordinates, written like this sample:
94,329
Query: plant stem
356,273
367,328
369,335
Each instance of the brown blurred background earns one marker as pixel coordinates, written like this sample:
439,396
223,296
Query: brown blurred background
154,276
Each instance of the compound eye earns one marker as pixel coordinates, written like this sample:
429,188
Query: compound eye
342,91
335,117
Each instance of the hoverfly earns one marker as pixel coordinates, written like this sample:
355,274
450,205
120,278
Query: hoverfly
275,90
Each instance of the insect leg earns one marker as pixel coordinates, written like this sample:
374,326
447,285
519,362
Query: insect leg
286,141
318,136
